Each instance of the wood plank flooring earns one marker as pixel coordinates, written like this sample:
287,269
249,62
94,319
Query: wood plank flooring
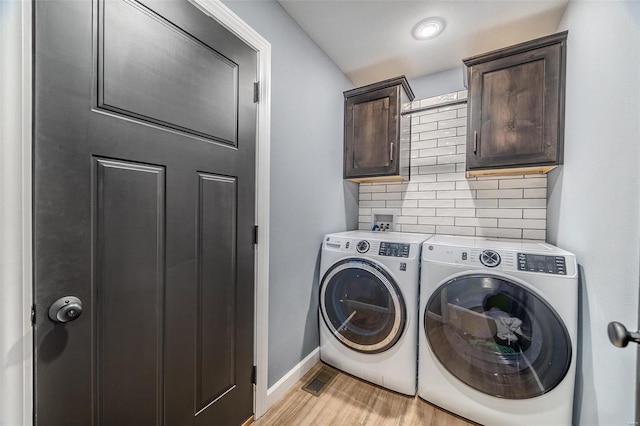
350,401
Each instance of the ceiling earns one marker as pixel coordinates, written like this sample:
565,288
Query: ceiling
371,40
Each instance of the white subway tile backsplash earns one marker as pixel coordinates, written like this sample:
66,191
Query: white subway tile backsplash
477,184
456,212
438,117
424,126
417,146
402,203
378,203
538,182
499,232
424,229
476,221
477,204
440,199
453,195
500,193
533,234
442,168
534,213
536,193
448,177
421,195
437,203
418,212
456,230
386,196
407,220
423,178
424,160
437,186
452,141
445,133
500,213
434,152
456,122
451,159
527,203
372,188
523,223
434,220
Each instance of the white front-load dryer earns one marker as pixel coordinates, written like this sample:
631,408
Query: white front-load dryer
368,306
498,330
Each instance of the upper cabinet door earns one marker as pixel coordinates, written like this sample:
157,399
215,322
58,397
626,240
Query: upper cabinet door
516,108
377,136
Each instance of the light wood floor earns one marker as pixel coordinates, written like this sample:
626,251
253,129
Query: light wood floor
349,401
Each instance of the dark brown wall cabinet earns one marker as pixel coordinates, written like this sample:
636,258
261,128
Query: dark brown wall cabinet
516,108
377,137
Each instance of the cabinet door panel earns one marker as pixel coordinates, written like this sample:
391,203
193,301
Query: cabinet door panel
371,134
512,111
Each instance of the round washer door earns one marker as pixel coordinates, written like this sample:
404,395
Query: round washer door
497,336
362,305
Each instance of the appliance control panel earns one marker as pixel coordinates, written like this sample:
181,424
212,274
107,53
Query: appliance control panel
541,263
394,249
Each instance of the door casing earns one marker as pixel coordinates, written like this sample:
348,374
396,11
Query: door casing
22,212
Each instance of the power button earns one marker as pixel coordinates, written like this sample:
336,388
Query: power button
464,255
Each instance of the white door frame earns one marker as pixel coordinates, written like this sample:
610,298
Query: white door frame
16,284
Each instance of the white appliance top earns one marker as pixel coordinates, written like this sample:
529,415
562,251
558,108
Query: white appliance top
520,256
387,245
394,237
529,246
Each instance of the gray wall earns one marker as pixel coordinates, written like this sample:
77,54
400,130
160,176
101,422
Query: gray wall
308,195
593,207
438,84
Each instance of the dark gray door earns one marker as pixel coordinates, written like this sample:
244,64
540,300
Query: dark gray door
144,209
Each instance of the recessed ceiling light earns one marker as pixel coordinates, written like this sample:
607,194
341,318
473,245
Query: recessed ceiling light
428,28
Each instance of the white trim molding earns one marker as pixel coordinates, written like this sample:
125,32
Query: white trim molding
287,381
16,347
222,14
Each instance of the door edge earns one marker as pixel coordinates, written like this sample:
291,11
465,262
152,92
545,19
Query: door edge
16,377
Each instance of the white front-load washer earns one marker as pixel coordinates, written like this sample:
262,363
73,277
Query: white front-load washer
368,306
498,329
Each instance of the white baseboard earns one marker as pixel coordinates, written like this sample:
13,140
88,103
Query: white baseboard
277,391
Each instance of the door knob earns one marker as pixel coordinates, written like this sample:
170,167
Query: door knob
620,336
65,309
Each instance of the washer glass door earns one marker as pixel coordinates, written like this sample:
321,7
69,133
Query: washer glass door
362,305
497,336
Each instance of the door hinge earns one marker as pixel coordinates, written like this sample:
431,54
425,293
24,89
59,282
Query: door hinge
254,375
255,234
256,92
33,315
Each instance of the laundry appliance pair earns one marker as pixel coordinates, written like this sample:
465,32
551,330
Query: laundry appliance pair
494,321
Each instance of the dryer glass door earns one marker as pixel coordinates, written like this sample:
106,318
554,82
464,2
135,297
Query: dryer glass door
497,336
362,305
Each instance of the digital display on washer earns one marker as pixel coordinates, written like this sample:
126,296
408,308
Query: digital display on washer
541,263
394,249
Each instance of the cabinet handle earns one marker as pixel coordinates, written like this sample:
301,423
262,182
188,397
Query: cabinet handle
475,142
391,152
